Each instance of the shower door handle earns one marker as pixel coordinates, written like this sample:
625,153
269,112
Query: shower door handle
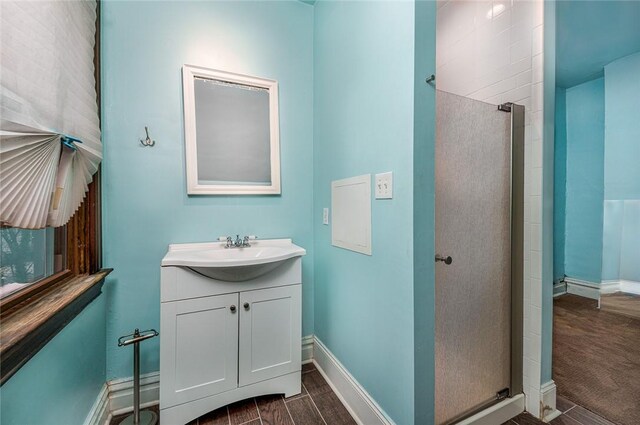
447,260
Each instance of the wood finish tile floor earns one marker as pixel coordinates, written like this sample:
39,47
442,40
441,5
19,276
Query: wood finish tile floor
596,361
317,404
621,303
572,414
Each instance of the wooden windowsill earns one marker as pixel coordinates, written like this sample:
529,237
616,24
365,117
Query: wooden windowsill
28,326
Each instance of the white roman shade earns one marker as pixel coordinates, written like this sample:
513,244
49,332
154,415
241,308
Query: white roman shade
49,127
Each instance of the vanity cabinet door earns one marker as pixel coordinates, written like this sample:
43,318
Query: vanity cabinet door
270,328
199,348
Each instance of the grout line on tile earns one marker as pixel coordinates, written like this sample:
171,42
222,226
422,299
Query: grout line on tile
317,410
287,407
258,409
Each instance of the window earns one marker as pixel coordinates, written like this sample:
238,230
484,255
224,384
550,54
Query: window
27,256
47,276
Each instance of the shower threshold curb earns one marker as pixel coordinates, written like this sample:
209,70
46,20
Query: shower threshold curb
498,413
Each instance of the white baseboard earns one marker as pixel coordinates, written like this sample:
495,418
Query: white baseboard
593,290
626,286
583,288
548,410
358,402
559,288
99,413
307,349
121,393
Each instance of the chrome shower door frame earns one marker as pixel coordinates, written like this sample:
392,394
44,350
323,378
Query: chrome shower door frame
517,247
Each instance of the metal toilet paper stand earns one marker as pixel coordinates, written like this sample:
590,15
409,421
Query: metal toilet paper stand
145,417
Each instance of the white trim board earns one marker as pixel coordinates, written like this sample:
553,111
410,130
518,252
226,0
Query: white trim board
307,349
559,288
548,410
356,399
99,413
121,393
593,290
585,288
626,286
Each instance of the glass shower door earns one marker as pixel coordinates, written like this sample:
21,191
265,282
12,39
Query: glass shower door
473,227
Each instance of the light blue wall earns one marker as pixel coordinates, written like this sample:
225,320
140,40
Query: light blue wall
613,220
424,213
145,206
560,183
61,382
621,244
630,242
622,134
585,180
363,123
621,253
591,34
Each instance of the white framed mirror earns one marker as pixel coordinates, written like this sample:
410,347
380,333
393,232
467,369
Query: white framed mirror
232,134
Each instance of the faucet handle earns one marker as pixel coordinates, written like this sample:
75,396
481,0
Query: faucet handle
226,239
246,239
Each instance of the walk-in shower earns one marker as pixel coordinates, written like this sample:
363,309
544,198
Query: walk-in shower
479,246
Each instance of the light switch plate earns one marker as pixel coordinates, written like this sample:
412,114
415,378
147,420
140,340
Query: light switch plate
325,216
384,185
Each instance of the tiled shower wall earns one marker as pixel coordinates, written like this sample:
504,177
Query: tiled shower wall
492,51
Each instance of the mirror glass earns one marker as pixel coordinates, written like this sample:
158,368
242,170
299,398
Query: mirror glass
231,133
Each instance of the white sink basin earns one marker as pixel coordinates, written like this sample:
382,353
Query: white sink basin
232,264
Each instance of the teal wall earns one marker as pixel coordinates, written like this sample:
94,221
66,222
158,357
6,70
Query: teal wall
145,205
630,242
584,180
602,176
61,382
363,123
622,147
621,254
613,218
560,183
424,213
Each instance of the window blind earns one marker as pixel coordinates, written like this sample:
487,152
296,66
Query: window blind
49,126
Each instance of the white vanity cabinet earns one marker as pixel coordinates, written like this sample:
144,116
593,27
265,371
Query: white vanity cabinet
200,346
270,333
223,341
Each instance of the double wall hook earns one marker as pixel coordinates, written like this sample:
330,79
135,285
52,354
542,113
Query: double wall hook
147,141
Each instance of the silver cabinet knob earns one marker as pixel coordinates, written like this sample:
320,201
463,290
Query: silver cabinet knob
232,308
246,306
447,260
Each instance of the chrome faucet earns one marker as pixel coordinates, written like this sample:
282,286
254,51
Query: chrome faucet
238,243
